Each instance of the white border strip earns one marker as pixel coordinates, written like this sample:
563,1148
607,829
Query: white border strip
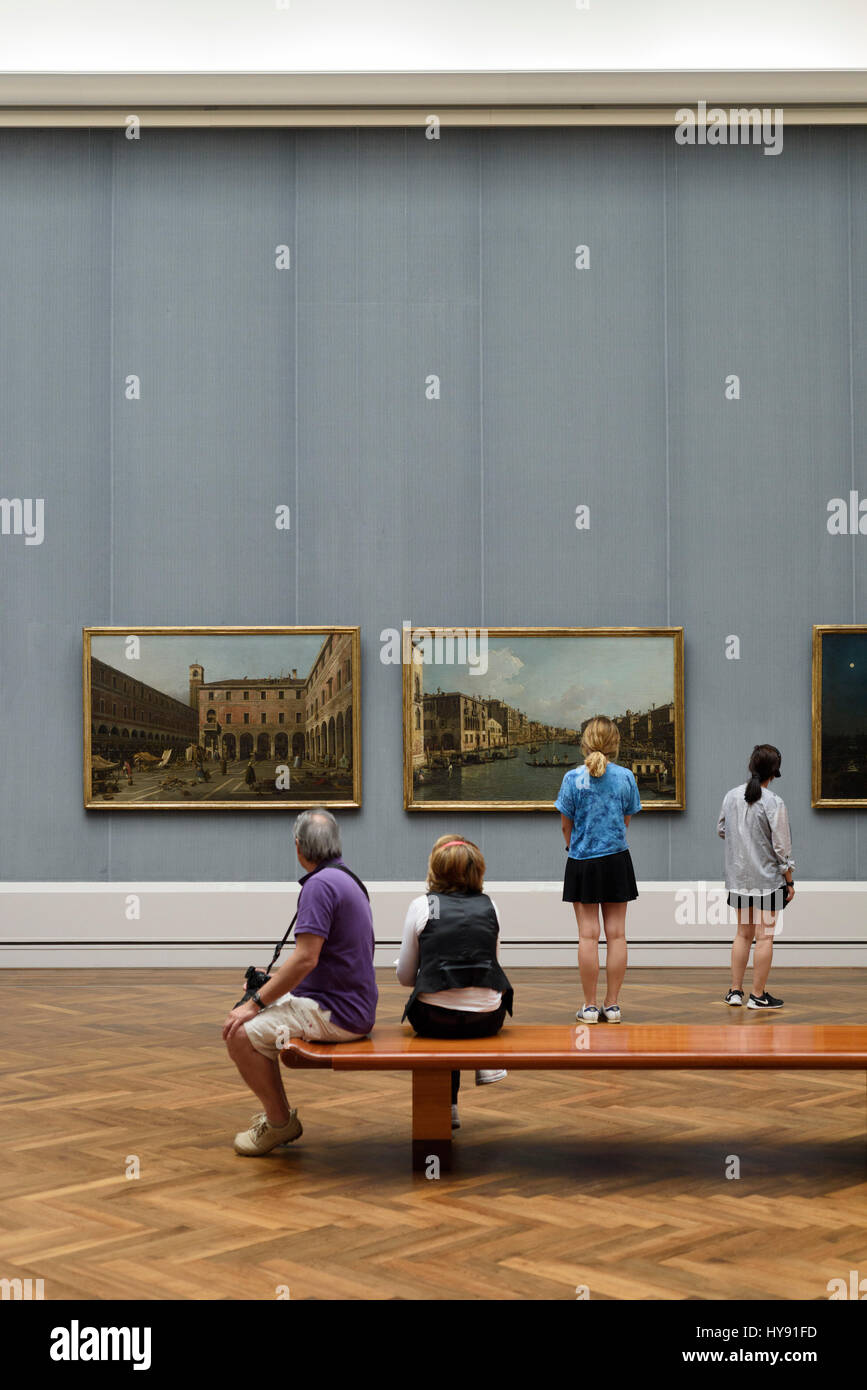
413,887
505,89
167,924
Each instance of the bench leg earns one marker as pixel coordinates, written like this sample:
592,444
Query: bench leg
431,1119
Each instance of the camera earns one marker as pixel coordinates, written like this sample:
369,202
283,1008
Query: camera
255,980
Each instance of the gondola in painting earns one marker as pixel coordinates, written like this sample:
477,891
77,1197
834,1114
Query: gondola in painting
493,717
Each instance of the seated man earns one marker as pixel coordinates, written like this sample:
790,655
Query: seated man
325,992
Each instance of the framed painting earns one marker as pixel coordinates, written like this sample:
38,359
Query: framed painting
839,715
492,718
221,718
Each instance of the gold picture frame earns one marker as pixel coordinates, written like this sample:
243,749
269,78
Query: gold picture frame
839,773
430,735
151,748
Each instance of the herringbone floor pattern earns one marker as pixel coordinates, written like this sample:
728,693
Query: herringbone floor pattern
612,1181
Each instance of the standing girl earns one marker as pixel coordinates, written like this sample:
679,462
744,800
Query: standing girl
596,804
755,826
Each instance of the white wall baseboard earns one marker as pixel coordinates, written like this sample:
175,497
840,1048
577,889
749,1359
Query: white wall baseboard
113,925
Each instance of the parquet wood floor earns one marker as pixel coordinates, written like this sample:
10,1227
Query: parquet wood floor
615,1181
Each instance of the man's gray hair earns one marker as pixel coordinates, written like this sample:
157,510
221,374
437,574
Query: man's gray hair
317,834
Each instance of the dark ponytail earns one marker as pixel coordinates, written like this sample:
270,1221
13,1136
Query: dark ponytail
764,764
754,789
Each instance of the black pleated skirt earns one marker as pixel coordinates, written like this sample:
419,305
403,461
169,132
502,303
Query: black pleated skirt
766,902
607,879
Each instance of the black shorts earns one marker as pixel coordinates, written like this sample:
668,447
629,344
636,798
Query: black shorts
608,879
765,902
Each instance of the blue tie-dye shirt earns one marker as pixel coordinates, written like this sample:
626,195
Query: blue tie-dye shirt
596,807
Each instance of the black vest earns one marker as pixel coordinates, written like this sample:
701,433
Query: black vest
458,947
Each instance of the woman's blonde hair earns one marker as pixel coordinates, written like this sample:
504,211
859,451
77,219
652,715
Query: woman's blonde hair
599,742
456,865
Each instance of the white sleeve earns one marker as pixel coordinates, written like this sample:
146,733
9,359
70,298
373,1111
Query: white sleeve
781,835
407,962
499,925
721,823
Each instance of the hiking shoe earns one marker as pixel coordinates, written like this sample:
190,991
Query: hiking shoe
735,997
588,1014
487,1078
262,1137
609,1013
456,1124
765,1001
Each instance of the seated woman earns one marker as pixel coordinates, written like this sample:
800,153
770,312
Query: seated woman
449,953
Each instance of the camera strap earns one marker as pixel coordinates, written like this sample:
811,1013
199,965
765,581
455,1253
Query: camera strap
326,864
281,944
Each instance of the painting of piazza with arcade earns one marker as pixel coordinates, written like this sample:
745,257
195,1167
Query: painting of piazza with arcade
493,718
221,717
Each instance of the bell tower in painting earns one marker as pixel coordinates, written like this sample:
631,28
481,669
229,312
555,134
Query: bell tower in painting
197,676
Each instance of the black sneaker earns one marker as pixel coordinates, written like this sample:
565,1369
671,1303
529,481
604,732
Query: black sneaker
766,1001
735,997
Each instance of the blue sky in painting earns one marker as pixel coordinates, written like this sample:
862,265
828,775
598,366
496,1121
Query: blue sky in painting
564,680
165,661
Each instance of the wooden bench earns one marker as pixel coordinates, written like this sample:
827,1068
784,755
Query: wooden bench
753,1041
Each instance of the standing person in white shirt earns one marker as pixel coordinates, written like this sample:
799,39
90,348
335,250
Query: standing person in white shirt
450,954
755,826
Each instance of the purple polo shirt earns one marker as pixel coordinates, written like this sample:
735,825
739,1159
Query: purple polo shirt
332,905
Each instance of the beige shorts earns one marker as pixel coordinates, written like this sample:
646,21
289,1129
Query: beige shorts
293,1017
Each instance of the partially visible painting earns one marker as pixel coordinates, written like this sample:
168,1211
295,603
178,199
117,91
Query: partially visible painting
221,718
493,718
839,715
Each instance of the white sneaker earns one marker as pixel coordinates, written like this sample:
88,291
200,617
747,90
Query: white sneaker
610,1013
262,1137
487,1078
456,1124
588,1014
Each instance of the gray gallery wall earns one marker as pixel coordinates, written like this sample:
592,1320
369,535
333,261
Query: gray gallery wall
559,387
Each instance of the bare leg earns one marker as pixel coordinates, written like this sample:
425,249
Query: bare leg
587,917
764,952
614,918
741,946
262,1075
